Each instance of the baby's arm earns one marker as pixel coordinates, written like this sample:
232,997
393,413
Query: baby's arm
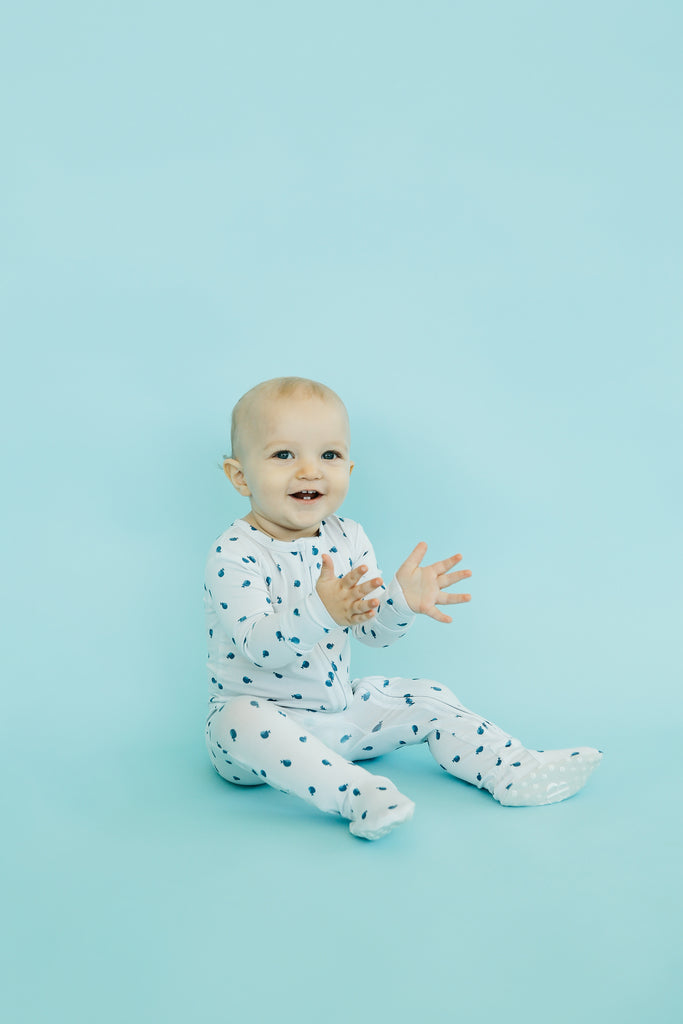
268,637
392,621
391,617
414,590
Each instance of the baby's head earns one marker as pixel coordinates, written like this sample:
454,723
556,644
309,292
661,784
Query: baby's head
290,455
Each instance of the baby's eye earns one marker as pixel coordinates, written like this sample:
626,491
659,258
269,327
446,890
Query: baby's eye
331,455
283,455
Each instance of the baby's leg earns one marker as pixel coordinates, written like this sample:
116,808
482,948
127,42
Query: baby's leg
473,748
397,712
254,741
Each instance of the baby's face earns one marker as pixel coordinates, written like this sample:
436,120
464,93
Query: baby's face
294,464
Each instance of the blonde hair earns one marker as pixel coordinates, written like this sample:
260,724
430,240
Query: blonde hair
278,387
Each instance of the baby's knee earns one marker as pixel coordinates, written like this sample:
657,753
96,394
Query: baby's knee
222,731
239,716
231,716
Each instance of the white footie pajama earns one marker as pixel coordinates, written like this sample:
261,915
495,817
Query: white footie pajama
253,740
284,711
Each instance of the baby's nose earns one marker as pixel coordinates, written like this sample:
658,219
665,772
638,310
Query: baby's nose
308,470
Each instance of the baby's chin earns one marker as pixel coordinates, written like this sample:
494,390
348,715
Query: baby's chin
285,529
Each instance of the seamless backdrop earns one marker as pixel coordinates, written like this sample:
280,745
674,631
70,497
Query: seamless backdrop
466,219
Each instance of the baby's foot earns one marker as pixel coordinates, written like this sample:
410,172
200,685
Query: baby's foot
380,809
546,776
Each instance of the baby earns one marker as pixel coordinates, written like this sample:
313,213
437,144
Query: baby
284,588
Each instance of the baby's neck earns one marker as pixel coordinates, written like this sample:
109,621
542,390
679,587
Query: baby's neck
282,533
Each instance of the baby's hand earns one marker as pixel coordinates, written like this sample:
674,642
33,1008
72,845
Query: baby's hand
343,597
422,586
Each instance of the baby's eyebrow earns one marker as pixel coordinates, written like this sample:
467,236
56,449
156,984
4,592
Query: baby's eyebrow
291,446
274,446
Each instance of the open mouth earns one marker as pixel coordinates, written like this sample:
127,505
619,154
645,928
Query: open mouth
306,495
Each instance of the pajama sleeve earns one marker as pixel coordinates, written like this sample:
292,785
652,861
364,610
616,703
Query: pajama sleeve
269,638
394,616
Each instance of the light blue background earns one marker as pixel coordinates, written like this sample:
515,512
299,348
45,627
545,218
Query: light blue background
466,219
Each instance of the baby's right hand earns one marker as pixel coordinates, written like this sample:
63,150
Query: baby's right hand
343,597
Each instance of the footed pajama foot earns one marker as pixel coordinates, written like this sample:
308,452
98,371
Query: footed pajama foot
546,777
385,808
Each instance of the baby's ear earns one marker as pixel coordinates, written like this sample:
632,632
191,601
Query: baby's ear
235,474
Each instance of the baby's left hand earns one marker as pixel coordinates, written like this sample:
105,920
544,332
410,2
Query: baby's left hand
422,586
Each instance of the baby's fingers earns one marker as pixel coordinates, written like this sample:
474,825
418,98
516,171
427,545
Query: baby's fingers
352,577
454,577
446,564
453,598
327,568
365,588
363,610
434,613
